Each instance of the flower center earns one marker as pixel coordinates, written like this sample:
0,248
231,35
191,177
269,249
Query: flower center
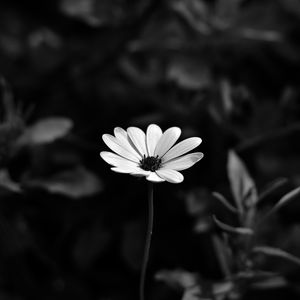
150,163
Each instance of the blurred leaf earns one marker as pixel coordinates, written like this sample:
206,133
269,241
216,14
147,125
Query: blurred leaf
273,282
276,252
189,73
195,12
242,185
93,12
193,293
273,186
90,245
227,10
46,131
287,198
282,202
292,6
74,183
218,291
225,202
81,9
222,288
224,255
7,183
232,229
177,278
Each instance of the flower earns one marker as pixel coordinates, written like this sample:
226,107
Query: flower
152,154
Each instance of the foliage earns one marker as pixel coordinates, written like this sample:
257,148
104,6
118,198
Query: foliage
224,70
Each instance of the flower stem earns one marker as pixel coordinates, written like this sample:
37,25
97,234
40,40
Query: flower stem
148,241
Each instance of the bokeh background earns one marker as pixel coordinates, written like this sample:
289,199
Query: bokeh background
71,70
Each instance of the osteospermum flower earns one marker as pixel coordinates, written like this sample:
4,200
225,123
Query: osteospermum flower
152,154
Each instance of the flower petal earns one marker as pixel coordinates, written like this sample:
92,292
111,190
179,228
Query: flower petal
167,140
154,177
170,175
138,138
182,148
132,171
124,141
153,135
117,161
115,145
183,162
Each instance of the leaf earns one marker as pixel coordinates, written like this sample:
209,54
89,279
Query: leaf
177,278
276,252
193,293
74,183
282,202
94,13
231,229
196,14
225,202
274,282
224,255
7,183
287,198
46,131
242,185
81,9
189,73
218,291
222,288
273,186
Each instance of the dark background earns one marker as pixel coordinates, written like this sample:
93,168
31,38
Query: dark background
224,70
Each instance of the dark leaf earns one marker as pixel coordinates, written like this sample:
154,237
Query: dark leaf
46,131
282,202
232,229
242,185
276,252
179,278
272,187
7,183
225,202
188,73
287,198
273,282
75,183
194,293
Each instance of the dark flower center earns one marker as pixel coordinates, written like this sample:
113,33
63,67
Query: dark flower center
150,163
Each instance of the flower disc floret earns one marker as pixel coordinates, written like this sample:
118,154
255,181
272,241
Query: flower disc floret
150,163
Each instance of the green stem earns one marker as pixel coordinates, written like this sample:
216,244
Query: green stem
148,241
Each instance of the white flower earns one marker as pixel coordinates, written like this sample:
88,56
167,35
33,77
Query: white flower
152,154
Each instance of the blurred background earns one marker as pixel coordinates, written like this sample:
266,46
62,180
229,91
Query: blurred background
71,70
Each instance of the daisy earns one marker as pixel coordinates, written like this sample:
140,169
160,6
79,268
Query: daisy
151,154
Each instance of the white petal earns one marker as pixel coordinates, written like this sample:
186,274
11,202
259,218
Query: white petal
120,170
117,161
153,135
183,162
182,148
170,175
123,139
120,133
140,172
154,177
138,138
167,140
115,145
132,171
